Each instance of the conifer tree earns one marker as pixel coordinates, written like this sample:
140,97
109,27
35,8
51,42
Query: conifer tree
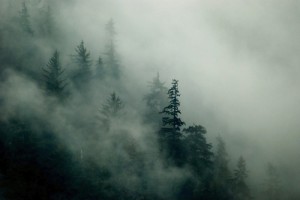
222,173
55,84
25,19
111,55
82,57
156,99
170,135
240,188
171,120
199,156
83,61
113,106
111,110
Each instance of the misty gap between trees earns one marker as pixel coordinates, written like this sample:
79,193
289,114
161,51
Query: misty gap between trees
70,128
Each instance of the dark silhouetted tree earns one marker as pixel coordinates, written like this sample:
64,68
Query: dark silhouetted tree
240,188
199,157
111,61
170,135
171,120
199,154
54,82
25,19
222,174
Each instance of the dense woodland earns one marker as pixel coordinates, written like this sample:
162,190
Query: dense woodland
70,130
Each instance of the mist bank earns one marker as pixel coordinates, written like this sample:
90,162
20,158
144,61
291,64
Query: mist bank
238,76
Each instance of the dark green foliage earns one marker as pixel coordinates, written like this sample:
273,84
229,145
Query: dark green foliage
35,163
25,19
54,82
199,158
240,188
112,63
199,154
171,112
170,135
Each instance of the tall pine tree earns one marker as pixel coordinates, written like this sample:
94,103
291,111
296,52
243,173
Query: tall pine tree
199,157
54,82
171,120
240,188
25,19
199,154
156,99
82,59
111,61
222,174
170,136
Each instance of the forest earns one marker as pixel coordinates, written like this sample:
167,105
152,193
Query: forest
77,125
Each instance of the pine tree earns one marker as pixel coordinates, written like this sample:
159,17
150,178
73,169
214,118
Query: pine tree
240,188
272,185
25,19
82,57
171,120
83,61
199,157
170,135
156,99
222,173
111,110
111,57
55,84
199,154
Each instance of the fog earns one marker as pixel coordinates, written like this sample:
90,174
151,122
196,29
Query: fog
236,62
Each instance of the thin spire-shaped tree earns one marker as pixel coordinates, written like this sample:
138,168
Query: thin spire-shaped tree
54,82
82,59
172,112
110,52
155,100
240,188
170,135
25,19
